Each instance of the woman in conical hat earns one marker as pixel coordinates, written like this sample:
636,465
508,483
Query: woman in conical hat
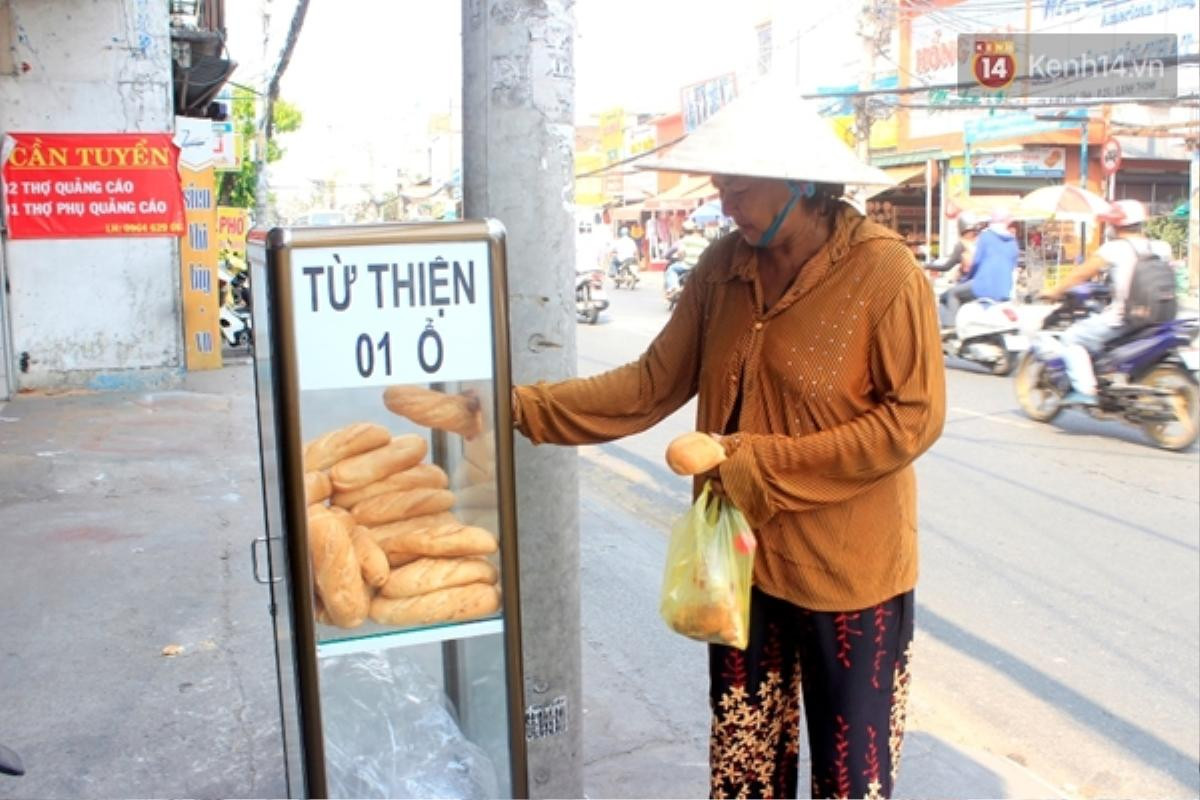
810,337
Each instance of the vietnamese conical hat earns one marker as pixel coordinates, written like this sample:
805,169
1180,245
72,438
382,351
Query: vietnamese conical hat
770,133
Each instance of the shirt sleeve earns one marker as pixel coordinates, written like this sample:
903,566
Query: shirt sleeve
981,247
622,401
766,474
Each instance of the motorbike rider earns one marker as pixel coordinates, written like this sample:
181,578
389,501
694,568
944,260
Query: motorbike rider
1087,337
960,256
684,255
991,271
625,249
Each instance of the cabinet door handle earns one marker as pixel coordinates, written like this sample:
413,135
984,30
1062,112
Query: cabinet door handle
265,540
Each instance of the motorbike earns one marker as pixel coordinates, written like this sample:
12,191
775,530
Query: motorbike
672,295
1146,377
233,317
626,274
987,332
590,297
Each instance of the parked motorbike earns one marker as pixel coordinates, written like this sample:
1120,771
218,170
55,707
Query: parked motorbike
1147,377
234,315
987,332
590,297
10,762
627,274
672,295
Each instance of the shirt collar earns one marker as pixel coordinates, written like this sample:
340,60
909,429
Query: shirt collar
848,230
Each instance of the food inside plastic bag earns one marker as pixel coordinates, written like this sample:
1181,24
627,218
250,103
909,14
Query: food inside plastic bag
390,731
710,564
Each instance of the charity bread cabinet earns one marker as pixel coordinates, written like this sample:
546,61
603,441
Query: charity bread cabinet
382,374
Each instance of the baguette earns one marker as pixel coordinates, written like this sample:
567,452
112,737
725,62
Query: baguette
396,455
446,539
479,460
395,552
694,453
317,487
395,506
336,570
479,495
428,574
371,558
325,451
443,605
422,476
458,413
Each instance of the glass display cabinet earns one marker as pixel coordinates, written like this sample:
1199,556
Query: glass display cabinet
383,387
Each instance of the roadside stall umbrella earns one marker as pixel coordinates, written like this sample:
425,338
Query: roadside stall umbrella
708,213
770,133
1061,203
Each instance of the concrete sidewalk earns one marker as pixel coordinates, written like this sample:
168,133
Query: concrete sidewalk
126,521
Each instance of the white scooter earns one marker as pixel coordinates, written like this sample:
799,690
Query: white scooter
233,318
987,332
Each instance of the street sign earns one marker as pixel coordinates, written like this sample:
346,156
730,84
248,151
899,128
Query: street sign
1110,156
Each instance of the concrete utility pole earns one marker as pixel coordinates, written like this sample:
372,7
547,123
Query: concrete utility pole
875,21
518,167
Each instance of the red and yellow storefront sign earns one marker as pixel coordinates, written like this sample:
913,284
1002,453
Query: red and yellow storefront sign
73,185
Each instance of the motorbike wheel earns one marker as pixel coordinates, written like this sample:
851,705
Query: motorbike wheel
1007,361
1037,398
592,315
1180,434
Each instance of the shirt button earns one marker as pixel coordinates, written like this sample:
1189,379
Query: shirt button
758,326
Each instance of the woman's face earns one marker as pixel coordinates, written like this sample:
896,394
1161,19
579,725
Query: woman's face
751,202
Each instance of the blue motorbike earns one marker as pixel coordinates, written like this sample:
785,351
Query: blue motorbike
1146,377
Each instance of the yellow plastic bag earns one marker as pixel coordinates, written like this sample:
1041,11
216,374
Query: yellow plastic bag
710,561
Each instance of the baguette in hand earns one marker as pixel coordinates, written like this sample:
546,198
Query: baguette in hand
694,453
458,413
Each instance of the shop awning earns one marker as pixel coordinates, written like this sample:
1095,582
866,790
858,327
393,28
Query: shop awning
980,203
630,212
904,175
685,195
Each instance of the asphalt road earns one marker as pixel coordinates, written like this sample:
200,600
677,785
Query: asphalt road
1058,606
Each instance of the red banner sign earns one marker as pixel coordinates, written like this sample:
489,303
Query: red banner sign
71,185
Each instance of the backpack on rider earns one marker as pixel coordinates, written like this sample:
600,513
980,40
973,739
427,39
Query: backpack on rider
1151,299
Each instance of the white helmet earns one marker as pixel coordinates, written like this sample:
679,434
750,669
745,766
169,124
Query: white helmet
770,133
1126,213
688,225
623,231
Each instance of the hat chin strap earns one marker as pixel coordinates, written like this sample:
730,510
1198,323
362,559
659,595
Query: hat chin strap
797,191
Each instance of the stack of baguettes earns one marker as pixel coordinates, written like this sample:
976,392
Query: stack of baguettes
384,539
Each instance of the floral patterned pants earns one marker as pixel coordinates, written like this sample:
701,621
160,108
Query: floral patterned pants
852,669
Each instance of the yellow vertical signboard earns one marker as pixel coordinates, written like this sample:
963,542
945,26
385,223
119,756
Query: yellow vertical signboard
198,247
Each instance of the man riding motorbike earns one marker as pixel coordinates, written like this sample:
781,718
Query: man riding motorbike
683,256
1087,337
624,250
960,256
991,271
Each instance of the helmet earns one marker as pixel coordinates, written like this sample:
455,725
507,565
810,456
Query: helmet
769,133
623,231
968,221
1125,213
688,225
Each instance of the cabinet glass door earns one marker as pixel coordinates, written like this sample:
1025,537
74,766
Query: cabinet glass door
396,451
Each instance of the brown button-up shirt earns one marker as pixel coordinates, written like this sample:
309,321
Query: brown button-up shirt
838,387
